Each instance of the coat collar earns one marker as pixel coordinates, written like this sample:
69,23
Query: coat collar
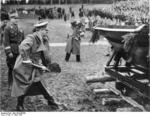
39,39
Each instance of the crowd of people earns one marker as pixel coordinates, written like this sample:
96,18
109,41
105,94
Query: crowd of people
47,13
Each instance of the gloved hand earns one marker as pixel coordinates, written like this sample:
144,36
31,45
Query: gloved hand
44,68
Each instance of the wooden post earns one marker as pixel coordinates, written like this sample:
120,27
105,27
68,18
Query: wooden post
125,109
37,2
111,101
102,91
51,2
45,2
94,79
59,2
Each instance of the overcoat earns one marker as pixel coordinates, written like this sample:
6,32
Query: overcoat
73,45
36,48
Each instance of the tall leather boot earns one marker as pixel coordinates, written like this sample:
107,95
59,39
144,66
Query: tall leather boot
67,57
52,104
20,102
10,78
78,58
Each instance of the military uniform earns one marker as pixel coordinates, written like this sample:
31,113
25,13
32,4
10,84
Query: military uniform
73,46
73,43
12,38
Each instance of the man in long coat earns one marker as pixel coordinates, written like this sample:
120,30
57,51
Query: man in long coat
33,59
73,42
12,38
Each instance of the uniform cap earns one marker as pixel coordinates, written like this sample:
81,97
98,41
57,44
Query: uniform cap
41,24
75,23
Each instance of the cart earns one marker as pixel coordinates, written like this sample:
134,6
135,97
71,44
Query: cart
133,72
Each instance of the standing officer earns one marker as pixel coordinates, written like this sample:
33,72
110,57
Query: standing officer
12,38
73,42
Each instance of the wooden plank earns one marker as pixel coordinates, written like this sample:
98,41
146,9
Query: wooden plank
102,91
139,67
137,71
144,81
111,101
125,109
95,79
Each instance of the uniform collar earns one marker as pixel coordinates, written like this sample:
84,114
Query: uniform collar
39,38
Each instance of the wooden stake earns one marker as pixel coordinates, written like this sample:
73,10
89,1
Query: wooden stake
102,91
111,101
93,79
125,109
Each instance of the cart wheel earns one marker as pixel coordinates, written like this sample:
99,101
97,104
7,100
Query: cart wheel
122,88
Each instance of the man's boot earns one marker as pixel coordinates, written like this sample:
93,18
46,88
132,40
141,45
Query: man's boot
78,58
67,57
20,102
52,104
10,78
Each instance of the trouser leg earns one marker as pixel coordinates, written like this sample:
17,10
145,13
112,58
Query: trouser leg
78,58
47,96
44,92
10,78
36,89
67,56
10,64
20,101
